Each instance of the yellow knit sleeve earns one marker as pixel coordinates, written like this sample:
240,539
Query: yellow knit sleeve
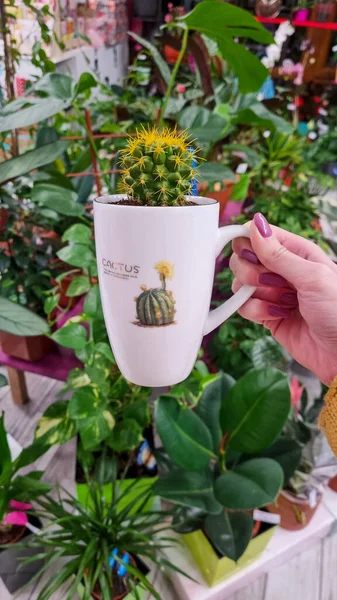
328,418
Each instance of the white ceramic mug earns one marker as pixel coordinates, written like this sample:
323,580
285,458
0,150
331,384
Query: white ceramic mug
156,269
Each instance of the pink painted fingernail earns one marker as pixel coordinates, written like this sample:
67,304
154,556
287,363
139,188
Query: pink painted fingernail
262,224
273,280
250,256
278,311
289,298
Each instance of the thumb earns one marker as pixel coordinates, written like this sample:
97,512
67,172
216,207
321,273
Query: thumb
276,257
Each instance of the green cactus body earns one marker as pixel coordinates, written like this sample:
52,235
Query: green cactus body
155,307
158,168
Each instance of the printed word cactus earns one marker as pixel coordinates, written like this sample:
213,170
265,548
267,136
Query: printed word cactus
158,168
155,307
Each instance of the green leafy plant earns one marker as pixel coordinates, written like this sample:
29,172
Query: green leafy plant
211,475
91,537
14,487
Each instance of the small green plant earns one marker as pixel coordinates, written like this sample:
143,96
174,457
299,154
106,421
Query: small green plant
158,168
211,473
105,544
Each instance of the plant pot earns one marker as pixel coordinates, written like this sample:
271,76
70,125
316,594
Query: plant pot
171,55
214,568
144,483
13,574
3,219
295,513
63,286
142,593
30,348
156,268
223,196
333,483
143,9
301,14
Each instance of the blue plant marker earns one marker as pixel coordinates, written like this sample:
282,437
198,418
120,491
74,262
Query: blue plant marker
112,560
145,456
122,570
194,182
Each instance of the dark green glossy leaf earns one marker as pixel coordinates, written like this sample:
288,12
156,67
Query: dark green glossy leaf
77,255
214,172
29,455
85,82
230,533
256,114
188,489
60,199
46,135
72,336
255,483
10,169
78,234
240,189
79,286
57,85
19,320
92,304
287,452
55,426
186,439
255,410
95,429
5,455
39,111
208,407
187,520
126,436
83,404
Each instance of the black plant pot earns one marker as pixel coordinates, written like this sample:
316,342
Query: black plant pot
145,8
12,573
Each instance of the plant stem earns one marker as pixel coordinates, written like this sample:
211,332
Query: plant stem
222,453
173,77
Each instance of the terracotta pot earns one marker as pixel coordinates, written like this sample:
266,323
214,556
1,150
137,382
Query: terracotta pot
295,513
98,596
64,300
171,56
223,196
3,218
31,348
18,536
256,528
333,484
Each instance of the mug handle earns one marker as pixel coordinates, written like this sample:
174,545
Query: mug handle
217,316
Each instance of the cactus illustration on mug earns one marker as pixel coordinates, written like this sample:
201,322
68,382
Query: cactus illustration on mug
156,306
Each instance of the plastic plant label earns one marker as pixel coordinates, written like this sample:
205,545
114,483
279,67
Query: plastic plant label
266,517
242,168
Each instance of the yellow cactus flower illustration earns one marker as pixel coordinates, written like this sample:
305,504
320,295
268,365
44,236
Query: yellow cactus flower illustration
165,269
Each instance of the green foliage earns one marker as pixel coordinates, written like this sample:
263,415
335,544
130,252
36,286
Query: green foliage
19,320
59,199
241,417
10,169
18,487
88,534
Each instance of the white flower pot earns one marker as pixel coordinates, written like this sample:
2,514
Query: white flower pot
156,269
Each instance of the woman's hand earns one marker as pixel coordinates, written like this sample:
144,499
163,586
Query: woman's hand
296,296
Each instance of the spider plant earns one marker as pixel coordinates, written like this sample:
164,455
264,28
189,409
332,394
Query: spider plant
87,540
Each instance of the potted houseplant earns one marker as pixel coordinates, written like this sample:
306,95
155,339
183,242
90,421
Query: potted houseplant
16,494
108,543
147,288
310,459
302,11
210,474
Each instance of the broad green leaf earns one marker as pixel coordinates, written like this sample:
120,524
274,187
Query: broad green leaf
254,483
104,348
140,411
92,303
29,455
5,455
55,425
185,438
94,430
46,135
215,19
83,404
60,199
202,124
19,320
28,487
39,111
208,407
214,172
126,436
287,452
188,489
255,410
51,303
187,520
256,114
78,234
10,169
56,85
249,69
85,82
230,533
79,286
160,62
77,255
77,378
240,189
71,335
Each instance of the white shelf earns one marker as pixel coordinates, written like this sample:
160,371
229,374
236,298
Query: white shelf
281,548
